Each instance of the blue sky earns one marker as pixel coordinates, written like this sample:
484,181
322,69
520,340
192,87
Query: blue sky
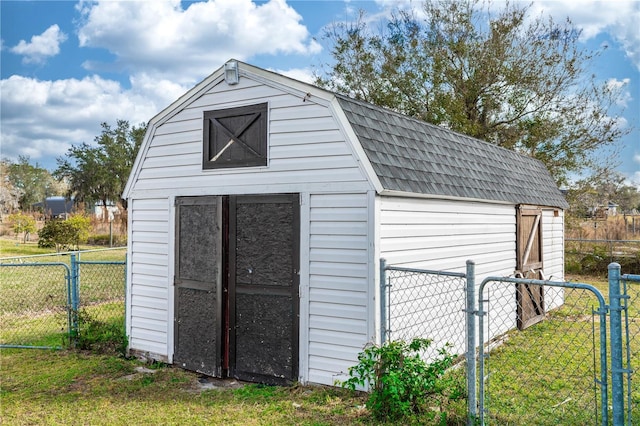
67,66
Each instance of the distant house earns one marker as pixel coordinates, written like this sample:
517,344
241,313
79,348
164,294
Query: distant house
56,207
99,210
604,210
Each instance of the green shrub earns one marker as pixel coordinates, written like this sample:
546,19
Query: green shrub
64,234
398,378
99,336
82,224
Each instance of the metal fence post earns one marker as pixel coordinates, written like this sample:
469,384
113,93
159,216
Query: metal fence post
75,303
615,322
383,300
471,343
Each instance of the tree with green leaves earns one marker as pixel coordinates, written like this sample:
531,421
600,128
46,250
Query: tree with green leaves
99,172
22,223
32,182
519,82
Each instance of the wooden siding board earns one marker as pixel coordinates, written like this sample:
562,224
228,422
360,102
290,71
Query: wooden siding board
333,242
159,237
317,137
152,260
338,269
149,248
337,351
353,284
192,149
153,179
444,234
149,280
333,337
354,327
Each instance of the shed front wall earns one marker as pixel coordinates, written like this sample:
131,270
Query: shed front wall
308,155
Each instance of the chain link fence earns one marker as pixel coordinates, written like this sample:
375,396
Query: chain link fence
50,301
426,304
547,352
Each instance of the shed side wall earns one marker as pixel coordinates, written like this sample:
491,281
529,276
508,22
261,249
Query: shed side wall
441,235
553,249
444,234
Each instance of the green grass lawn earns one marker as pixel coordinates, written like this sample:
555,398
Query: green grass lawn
64,387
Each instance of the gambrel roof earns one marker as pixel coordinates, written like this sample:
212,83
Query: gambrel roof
403,154
410,155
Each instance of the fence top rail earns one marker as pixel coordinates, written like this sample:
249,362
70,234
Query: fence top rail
564,284
631,277
62,253
101,262
37,264
580,240
426,271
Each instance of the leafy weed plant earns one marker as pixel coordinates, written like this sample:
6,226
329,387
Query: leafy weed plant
399,379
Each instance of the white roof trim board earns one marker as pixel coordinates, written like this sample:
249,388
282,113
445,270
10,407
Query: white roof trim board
401,154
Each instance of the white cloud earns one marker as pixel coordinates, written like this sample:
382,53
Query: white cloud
615,85
41,46
619,19
302,74
184,45
42,119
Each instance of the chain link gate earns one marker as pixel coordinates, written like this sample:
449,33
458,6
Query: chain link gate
46,305
34,305
630,286
553,372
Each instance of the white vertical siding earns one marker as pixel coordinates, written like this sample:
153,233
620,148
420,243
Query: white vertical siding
339,283
148,315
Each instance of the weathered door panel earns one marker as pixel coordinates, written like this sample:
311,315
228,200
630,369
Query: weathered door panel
198,283
529,298
263,288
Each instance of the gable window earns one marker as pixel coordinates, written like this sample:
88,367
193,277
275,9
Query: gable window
235,137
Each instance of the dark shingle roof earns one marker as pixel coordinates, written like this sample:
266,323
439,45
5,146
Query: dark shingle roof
410,155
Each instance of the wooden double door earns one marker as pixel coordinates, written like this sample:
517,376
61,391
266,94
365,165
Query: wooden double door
236,286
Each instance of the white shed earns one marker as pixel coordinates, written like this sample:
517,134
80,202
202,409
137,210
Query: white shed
259,207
